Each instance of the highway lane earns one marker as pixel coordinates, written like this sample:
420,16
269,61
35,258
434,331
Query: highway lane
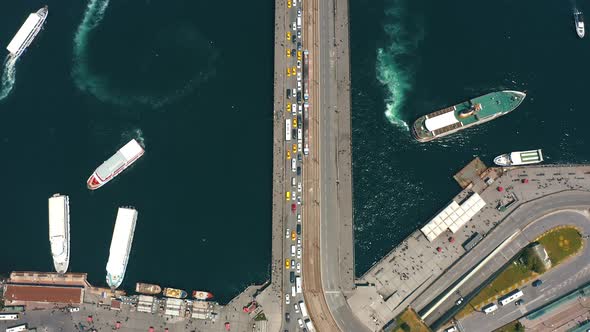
561,280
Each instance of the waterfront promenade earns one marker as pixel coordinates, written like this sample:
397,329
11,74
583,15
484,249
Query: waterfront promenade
415,273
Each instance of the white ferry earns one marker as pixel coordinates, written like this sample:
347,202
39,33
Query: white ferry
27,32
519,158
59,231
121,246
116,164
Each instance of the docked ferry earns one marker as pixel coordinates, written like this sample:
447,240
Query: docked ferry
121,246
466,114
202,295
519,158
116,164
59,231
27,32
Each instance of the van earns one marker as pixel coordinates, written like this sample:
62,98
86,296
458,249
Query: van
294,108
294,165
293,181
293,246
293,291
299,22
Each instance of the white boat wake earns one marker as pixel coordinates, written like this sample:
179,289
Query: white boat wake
391,72
100,85
8,77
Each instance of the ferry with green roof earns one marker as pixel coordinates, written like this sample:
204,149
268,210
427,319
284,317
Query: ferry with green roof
466,114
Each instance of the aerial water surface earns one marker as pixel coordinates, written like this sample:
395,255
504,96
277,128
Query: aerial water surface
412,57
181,77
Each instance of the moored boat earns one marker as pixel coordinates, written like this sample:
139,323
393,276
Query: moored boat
116,164
466,114
579,20
519,158
150,289
121,246
202,295
175,293
59,231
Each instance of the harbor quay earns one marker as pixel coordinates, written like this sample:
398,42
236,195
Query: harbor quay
54,302
495,209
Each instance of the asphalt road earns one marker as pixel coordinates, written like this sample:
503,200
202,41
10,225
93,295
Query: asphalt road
563,279
520,219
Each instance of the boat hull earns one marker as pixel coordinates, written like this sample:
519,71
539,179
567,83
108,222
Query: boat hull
175,293
464,115
150,289
202,295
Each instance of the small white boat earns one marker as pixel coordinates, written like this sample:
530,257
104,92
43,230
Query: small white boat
519,158
579,18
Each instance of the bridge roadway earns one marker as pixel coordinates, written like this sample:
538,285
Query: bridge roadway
328,256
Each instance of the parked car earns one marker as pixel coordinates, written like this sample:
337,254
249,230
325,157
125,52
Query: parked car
537,283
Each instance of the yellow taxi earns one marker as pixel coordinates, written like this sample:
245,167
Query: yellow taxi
299,55
288,72
294,150
288,154
288,53
294,122
288,36
289,4
293,235
288,195
288,107
294,70
287,263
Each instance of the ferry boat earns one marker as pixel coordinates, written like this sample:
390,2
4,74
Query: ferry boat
116,164
27,32
59,231
519,158
466,114
175,293
202,295
121,246
150,289
579,19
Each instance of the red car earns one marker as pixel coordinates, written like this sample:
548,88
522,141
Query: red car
293,207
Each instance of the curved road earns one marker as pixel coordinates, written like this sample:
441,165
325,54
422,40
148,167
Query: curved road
561,280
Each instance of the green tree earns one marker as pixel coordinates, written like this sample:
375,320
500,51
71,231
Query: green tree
405,327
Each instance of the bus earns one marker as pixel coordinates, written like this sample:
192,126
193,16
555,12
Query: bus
287,130
17,328
8,316
298,282
490,308
303,309
510,297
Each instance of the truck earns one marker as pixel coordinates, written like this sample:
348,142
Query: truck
287,130
298,284
309,325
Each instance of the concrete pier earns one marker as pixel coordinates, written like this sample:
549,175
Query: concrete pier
417,271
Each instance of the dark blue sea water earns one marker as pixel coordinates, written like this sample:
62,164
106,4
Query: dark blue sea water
193,81
412,57
182,77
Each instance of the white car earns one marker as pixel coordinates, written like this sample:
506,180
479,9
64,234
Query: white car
294,3
298,243
300,322
298,217
287,299
296,308
298,253
298,64
294,26
293,196
299,12
299,187
292,264
288,233
298,269
73,309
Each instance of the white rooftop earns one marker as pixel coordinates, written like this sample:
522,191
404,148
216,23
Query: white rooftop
440,121
122,240
131,150
23,33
